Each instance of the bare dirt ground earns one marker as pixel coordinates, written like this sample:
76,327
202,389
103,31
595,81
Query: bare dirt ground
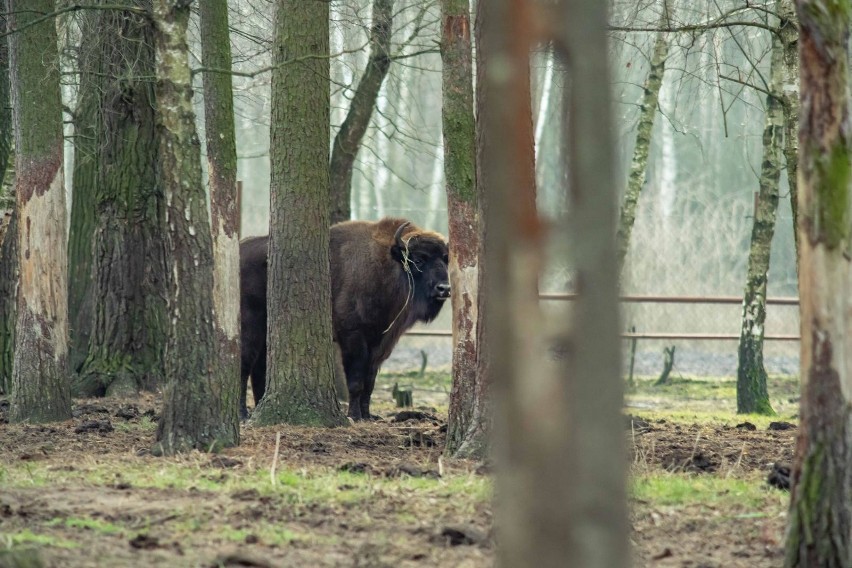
720,527
88,493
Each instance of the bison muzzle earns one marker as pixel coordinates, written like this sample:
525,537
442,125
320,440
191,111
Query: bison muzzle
385,276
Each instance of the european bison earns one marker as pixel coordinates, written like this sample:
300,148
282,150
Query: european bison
385,277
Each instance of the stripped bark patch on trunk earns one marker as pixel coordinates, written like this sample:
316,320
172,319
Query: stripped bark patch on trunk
40,391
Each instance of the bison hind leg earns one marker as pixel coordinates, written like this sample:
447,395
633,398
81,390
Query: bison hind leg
258,377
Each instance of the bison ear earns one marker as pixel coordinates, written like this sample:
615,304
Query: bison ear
399,249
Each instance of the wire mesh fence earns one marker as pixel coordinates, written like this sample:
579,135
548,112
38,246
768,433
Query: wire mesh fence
704,330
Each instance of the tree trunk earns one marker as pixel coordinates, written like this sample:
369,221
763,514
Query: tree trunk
40,390
752,394
88,123
225,213
568,426
5,120
351,133
8,227
789,32
8,296
639,165
197,412
301,358
503,105
127,296
820,517
463,218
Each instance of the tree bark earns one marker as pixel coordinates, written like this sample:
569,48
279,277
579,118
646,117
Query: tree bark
127,297
87,120
567,426
8,227
639,164
40,391
6,149
820,517
351,133
222,173
197,413
301,358
752,394
503,106
789,33
462,211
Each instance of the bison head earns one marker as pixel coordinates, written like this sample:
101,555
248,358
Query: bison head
423,256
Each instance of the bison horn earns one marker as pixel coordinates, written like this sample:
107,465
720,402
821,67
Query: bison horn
397,237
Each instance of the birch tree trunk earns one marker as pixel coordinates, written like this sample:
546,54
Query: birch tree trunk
301,358
40,389
225,213
197,414
789,33
752,394
460,175
639,164
121,302
819,531
351,133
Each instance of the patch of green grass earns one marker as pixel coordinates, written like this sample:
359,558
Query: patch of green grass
292,487
708,400
96,525
737,495
430,379
27,537
270,535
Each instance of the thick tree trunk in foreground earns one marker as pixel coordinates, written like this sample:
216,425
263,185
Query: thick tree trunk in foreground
225,213
820,517
40,390
462,211
351,133
639,165
127,295
301,357
752,394
568,426
197,413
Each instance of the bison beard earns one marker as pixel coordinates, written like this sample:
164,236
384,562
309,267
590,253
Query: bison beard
385,277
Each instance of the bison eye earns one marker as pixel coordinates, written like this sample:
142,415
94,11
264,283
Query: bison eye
446,259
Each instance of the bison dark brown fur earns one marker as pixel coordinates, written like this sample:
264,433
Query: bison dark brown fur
385,277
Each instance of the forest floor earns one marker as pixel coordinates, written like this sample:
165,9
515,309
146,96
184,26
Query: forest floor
88,492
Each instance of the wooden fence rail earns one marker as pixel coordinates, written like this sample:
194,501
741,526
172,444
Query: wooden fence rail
777,301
